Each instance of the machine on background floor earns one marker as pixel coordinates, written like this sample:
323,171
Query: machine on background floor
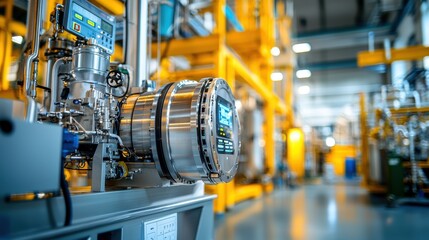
399,143
134,156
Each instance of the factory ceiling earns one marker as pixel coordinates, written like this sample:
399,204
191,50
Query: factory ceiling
336,31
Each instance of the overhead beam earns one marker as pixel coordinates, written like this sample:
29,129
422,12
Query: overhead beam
370,58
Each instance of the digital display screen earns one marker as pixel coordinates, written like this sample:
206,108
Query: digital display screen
225,116
105,26
81,13
224,113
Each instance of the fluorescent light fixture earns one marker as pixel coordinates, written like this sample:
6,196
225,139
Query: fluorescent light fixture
275,51
17,39
330,141
303,90
303,73
276,76
301,47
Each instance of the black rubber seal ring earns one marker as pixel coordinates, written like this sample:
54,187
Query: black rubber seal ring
158,131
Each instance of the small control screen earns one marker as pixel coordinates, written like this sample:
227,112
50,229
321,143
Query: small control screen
105,26
224,126
85,20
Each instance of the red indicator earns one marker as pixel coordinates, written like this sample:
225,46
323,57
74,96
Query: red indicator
76,27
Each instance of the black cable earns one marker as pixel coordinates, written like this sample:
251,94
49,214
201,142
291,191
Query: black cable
44,88
67,199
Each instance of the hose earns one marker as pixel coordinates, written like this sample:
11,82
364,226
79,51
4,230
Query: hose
67,198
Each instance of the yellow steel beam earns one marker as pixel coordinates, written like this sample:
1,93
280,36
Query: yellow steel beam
114,7
6,42
200,59
407,110
15,27
280,106
249,78
190,46
219,205
269,112
219,16
194,74
244,192
369,58
364,139
246,41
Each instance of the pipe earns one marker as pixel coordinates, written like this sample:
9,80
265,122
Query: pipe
111,135
32,110
401,129
417,99
34,18
136,40
54,81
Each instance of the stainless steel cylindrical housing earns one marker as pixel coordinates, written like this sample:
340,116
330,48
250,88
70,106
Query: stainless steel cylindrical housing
187,142
89,67
135,123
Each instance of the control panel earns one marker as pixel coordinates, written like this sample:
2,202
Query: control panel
161,228
224,126
85,20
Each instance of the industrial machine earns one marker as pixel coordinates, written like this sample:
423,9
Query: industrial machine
399,143
143,152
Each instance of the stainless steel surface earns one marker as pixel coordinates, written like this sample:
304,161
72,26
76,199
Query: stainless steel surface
223,167
30,159
102,212
57,48
98,173
375,169
135,124
136,41
54,82
34,21
90,65
181,120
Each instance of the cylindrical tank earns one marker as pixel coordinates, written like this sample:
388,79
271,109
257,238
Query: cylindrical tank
89,69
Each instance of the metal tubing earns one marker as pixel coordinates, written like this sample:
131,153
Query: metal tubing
137,15
54,81
111,135
34,19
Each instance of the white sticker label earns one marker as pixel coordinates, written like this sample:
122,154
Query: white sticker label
164,228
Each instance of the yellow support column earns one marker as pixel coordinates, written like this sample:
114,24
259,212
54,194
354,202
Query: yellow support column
364,140
296,151
6,42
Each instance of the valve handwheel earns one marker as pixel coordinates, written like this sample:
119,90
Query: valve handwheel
114,79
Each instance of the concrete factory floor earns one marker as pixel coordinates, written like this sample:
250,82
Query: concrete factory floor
322,212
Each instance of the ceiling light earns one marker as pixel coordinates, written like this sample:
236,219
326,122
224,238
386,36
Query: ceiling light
276,76
304,73
17,39
330,141
301,47
275,51
303,90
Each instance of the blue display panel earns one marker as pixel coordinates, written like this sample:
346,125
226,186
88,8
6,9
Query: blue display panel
224,126
85,20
